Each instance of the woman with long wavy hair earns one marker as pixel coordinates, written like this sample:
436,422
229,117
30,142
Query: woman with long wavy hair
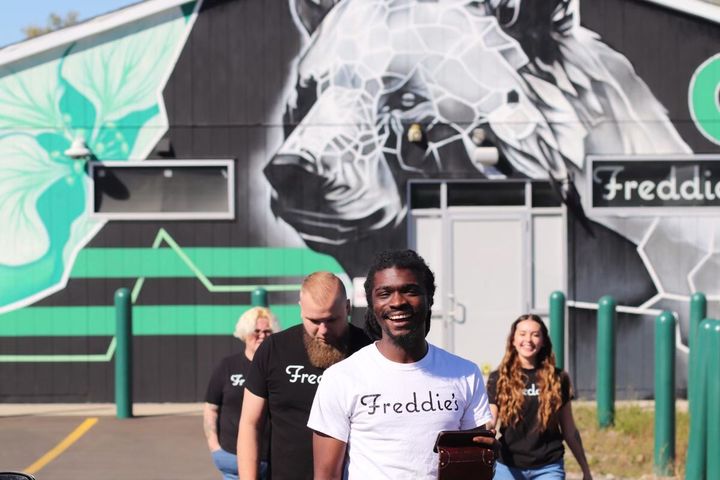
530,400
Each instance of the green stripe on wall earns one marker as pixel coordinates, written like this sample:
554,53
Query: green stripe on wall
147,320
212,262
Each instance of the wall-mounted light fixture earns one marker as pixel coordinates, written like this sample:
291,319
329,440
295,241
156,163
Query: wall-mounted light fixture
78,149
478,136
486,156
415,133
484,153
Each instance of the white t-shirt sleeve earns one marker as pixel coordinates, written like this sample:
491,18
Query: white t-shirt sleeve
477,412
329,414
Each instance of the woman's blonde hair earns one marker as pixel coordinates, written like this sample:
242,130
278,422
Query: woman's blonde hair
245,325
511,380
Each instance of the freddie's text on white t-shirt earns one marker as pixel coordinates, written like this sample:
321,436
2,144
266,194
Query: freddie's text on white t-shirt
433,403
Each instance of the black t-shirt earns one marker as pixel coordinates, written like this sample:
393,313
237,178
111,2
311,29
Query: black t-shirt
523,445
226,390
281,372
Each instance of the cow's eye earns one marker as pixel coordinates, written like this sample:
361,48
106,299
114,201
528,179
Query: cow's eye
408,100
402,100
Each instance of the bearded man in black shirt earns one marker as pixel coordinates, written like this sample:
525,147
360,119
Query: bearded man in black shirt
285,374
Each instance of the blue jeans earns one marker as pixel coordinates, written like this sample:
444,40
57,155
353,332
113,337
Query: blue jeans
226,462
551,471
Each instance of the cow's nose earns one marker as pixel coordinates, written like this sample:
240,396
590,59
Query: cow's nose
293,176
303,160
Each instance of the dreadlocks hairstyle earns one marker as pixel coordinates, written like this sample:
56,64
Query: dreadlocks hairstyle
511,379
406,259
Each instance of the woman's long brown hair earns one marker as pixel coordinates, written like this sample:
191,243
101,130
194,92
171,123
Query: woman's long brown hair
511,380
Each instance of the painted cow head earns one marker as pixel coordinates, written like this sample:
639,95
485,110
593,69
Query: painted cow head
374,67
541,88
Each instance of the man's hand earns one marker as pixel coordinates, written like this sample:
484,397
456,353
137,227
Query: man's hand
490,442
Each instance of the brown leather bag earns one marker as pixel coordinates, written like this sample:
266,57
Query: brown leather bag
462,459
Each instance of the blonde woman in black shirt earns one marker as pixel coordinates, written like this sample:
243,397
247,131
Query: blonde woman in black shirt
224,397
530,402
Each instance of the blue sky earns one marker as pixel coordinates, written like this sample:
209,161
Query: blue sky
17,14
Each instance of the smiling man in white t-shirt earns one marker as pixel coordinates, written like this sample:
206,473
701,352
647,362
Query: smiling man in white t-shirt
377,413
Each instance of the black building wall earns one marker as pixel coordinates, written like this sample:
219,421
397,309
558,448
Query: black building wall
226,98
665,47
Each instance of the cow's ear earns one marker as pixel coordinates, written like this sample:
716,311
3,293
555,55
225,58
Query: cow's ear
310,13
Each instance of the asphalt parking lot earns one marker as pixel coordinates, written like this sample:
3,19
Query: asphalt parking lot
161,441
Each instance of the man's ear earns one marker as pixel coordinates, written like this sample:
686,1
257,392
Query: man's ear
348,307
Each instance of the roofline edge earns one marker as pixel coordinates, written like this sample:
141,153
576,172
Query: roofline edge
697,8
101,23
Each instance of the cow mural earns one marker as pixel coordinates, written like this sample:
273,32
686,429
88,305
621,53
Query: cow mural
546,91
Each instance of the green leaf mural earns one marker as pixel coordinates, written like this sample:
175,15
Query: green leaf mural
26,172
106,88
30,99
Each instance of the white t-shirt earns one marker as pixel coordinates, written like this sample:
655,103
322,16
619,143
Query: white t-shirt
389,413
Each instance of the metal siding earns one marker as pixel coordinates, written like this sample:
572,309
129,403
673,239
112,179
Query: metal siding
664,46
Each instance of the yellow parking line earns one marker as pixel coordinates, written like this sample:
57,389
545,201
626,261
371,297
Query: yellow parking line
62,446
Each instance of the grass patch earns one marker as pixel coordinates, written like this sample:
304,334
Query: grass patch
625,450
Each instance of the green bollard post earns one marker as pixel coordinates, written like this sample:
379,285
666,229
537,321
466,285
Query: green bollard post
712,379
695,466
664,453
605,389
258,297
557,327
123,353
698,312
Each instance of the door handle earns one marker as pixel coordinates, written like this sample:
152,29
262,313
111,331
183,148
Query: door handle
459,318
458,312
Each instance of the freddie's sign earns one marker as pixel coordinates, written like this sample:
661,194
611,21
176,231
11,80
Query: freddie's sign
648,185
